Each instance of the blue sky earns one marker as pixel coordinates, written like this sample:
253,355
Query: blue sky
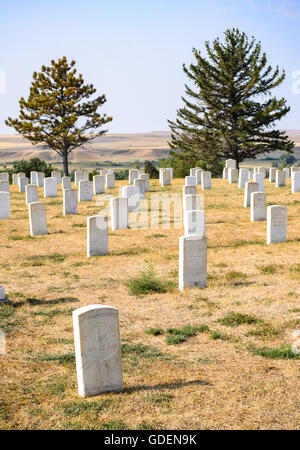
133,50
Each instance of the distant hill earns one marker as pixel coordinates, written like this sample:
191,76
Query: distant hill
111,147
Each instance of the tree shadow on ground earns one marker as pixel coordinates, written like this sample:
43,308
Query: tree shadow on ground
166,386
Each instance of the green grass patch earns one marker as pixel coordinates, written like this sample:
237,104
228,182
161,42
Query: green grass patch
233,275
141,351
179,335
76,408
65,358
53,312
154,331
282,352
218,335
234,319
264,330
148,282
268,269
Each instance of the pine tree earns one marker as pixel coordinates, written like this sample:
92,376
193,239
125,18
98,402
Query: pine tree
55,112
230,112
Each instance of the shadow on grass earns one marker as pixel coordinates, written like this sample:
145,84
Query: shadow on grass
162,387
36,301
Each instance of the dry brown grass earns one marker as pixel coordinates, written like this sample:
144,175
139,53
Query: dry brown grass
202,383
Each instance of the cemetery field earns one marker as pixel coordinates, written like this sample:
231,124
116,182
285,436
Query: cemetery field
214,358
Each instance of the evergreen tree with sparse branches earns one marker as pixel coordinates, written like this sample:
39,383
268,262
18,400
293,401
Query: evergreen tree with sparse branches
228,110
58,112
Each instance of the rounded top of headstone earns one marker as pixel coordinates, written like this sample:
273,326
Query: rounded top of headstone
94,308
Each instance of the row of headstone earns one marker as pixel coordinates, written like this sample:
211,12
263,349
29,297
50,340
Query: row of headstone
201,177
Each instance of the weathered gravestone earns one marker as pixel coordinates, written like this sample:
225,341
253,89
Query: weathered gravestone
260,179
31,193
97,236
193,171
251,186
4,186
272,174
280,178
295,182
3,299
140,184
233,175
97,350
194,222
287,172
98,184
276,224
190,181
23,181
262,169
189,190
133,197
37,219
258,206
192,262
21,175
119,213
110,180
50,187
4,205
225,173
85,192
69,202
206,180
66,182
243,177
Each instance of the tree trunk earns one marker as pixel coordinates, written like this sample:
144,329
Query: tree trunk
65,163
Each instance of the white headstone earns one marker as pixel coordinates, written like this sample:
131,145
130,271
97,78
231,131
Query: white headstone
287,172
110,180
260,179
250,186
97,235
280,178
206,180
132,194
165,177
31,193
4,176
97,350
133,174
50,187
225,173
272,174
4,205
140,184
198,176
262,169
189,190
15,178
33,177
243,177
66,182
258,206
190,181
295,169
192,262
295,182
69,202
56,174
191,202
4,186
21,175
40,179
193,171
276,223
23,181
233,175
37,219
98,184
85,192
145,176
230,163
3,299
78,177
194,222
119,213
